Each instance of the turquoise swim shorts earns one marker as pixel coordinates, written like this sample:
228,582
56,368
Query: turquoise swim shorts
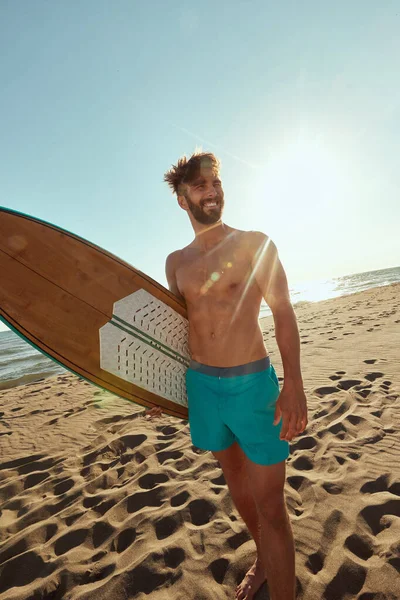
228,404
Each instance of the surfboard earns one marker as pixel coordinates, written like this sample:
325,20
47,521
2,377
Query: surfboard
93,313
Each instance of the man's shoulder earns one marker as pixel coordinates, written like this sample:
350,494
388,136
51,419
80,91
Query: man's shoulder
174,255
258,244
254,239
173,258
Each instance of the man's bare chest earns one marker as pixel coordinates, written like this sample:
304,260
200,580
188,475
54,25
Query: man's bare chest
215,272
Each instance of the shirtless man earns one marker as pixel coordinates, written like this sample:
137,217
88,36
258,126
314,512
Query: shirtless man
236,407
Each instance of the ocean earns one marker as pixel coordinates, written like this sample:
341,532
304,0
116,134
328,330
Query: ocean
20,363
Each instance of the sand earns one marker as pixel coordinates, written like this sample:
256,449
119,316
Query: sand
99,502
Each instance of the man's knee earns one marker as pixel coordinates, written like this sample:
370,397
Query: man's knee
232,461
272,509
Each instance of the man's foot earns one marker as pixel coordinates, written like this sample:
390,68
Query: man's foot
252,582
153,412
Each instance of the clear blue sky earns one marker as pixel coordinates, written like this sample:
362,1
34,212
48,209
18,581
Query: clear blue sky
300,100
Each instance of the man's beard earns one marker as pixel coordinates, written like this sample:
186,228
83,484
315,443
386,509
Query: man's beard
206,218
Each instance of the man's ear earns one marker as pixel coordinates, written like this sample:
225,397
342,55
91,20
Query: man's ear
182,202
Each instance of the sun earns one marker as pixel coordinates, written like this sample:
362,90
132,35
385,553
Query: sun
305,173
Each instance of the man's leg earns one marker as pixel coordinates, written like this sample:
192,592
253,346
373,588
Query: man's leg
234,467
277,544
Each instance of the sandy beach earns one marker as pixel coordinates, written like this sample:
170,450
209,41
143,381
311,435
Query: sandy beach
98,502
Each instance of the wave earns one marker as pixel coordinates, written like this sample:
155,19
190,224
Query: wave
9,359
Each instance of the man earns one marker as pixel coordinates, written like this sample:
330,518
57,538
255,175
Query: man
236,408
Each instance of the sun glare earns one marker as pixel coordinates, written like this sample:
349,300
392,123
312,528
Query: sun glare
304,174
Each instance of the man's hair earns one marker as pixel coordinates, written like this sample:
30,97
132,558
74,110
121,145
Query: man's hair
187,170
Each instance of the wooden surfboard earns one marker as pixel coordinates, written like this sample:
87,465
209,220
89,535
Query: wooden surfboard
93,313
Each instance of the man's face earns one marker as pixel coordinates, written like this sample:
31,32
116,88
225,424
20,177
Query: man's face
205,197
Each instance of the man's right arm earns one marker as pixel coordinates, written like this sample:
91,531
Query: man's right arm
170,272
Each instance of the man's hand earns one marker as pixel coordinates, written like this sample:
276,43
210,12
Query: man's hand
292,407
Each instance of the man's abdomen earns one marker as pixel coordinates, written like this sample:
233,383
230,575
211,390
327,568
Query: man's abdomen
226,342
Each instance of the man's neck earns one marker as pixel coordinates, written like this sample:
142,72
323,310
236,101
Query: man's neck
209,236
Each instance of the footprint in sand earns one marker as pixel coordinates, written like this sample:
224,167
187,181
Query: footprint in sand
381,485
18,548
98,556
332,487
324,391
70,540
180,499
124,540
27,565
219,568
72,518
166,430
35,479
201,512
306,442
374,515
167,526
339,430
173,557
302,463
145,579
355,420
39,463
349,579
151,480
140,500
296,481
373,376
315,562
363,391
162,445
361,547
99,423
237,540
96,573
62,486
385,388
346,384
219,480
101,531
162,457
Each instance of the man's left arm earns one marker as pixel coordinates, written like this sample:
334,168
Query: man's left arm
271,278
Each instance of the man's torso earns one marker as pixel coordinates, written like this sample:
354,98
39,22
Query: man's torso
223,301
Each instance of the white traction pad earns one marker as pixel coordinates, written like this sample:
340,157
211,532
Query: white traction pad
146,343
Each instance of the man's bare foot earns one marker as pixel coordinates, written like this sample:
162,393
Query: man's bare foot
252,582
153,412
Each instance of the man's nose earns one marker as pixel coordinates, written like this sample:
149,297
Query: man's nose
211,192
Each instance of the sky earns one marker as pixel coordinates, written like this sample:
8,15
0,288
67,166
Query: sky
300,101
